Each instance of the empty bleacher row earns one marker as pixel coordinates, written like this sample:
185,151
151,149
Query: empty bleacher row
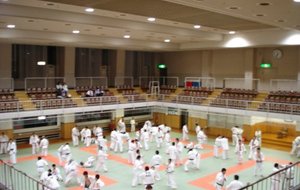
220,102
90,101
54,103
10,106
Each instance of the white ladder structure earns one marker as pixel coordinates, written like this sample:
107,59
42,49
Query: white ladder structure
154,87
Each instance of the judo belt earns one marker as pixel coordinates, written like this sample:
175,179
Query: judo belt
191,159
123,132
258,161
170,172
220,184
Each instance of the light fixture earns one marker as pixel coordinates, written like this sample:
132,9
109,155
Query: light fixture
89,10
41,63
41,117
151,19
197,26
298,1
10,26
75,31
167,40
126,36
231,32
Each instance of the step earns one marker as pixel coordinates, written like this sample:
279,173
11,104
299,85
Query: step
76,98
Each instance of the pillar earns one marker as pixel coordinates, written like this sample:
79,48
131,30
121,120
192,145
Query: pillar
120,65
206,64
67,124
249,67
6,126
5,64
298,63
69,66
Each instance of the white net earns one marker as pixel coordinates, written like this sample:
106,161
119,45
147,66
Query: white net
284,85
241,83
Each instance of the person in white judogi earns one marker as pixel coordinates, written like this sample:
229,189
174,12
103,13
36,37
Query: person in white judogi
147,176
132,124
254,144
98,183
82,134
197,128
56,172
71,171
88,137
44,146
101,160
225,148
98,132
137,170
220,179
113,139
259,158
89,163
201,137
289,177
75,136
12,151
258,136
87,181
167,139
217,146
102,142
159,137
122,126
132,147
119,142
64,152
235,131
296,147
3,143
235,184
172,152
179,147
145,138
192,159
41,164
52,182
276,178
170,174
156,162
185,132
34,142
240,150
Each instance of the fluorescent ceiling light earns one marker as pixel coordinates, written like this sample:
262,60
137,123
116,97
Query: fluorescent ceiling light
197,26
75,31
126,36
89,10
297,1
41,63
42,117
231,32
167,40
10,26
151,19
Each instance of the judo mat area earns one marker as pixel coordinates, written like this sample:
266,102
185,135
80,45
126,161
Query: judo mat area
120,172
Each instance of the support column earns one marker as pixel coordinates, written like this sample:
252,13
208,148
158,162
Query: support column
69,70
6,126
67,123
206,64
5,64
120,64
298,63
249,64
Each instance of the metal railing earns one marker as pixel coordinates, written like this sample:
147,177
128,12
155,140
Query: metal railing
14,179
287,178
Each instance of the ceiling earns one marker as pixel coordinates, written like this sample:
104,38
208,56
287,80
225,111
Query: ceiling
259,22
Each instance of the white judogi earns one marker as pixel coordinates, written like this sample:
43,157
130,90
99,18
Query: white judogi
185,133
147,177
296,146
197,129
217,146
170,175
137,170
52,183
65,153
156,162
98,132
220,181
179,147
132,125
56,173
167,139
113,139
289,178
259,158
145,138
97,185
258,136
101,159
44,146
235,138
103,143
34,142
192,160
88,137
172,152
122,126
234,185
201,137
240,150
71,171
75,136
82,134
12,151
3,143
119,142
225,148
275,180
159,138
41,164
132,147
254,144
89,163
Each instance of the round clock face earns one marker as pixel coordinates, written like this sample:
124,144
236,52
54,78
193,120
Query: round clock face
277,53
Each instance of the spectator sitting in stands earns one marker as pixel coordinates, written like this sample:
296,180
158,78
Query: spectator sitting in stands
65,90
89,93
59,90
99,92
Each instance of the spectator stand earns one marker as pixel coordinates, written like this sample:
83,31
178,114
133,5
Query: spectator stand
167,85
207,82
284,85
83,84
46,83
124,83
239,83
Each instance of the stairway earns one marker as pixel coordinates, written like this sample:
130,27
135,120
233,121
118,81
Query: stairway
26,101
271,141
211,97
257,101
76,98
120,95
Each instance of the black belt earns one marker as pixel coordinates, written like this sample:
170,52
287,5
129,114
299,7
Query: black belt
220,184
191,159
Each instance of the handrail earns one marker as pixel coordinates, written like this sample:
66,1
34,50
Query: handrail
292,170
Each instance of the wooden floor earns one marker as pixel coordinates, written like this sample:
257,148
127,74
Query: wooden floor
271,141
